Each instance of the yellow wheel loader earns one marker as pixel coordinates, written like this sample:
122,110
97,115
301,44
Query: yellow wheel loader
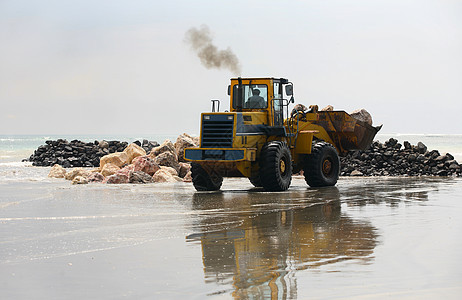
258,139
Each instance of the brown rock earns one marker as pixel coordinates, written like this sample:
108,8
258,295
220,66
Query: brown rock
133,150
184,169
184,141
77,172
298,108
196,140
170,170
145,164
95,177
188,177
118,158
168,159
116,179
109,169
57,172
328,108
126,170
163,175
167,146
79,180
362,115
140,177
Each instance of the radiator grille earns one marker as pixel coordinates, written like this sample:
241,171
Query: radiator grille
217,132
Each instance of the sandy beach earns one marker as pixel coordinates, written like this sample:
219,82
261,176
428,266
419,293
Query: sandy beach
125,127
367,238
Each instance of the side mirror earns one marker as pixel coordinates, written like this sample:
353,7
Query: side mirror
289,90
229,90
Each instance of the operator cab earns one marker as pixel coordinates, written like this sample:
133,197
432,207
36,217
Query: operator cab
261,95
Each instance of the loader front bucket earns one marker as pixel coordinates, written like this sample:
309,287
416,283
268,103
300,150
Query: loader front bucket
347,132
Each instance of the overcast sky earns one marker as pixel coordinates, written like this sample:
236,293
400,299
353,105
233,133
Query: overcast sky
123,67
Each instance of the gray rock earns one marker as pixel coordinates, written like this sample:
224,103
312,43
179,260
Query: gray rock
103,144
140,177
421,148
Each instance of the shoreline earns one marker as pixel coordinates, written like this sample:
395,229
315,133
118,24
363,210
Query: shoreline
388,158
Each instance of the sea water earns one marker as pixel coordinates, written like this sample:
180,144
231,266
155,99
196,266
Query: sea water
15,148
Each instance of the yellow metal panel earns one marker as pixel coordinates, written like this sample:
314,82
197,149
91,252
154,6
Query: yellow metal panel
251,154
245,167
304,140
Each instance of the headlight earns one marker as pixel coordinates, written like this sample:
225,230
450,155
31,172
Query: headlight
230,117
206,117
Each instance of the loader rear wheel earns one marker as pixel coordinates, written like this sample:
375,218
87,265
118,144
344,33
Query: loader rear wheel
322,167
275,166
204,181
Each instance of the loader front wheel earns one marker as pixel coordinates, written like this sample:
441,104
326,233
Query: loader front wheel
203,181
255,181
275,166
322,167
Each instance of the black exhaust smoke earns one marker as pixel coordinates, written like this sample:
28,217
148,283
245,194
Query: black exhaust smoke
200,41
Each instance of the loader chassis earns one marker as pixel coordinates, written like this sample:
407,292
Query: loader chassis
258,139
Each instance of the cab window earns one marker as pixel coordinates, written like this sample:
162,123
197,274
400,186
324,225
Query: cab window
254,96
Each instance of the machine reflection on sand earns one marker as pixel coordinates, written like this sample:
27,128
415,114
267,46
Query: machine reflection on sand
256,242
260,239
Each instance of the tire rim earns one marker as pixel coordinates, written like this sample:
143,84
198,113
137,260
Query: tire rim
282,166
326,167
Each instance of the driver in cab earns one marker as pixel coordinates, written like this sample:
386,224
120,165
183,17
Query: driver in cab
256,101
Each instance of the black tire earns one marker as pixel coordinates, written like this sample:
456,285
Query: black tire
275,166
204,181
255,181
322,167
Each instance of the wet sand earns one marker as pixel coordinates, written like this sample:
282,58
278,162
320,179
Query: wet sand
366,238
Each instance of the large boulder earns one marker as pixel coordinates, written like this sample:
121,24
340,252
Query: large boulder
164,175
140,177
133,150
126,170
421,148
197,140
118,158
77,172
362,115
184,169
167,146
184,141
145,164
298,108
95,177
57,172
170,170
328,108
168,159
116,179
79,180
109,169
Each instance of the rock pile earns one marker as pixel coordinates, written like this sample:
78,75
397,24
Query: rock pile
133,164
392,159
79,154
